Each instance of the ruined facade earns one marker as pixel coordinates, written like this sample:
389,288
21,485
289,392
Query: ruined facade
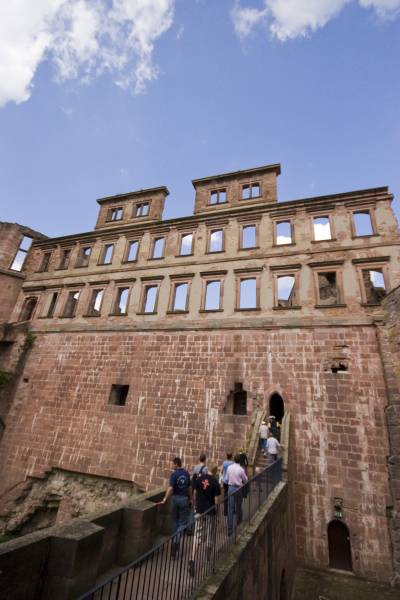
155,338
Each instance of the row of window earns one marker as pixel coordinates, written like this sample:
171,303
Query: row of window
363,224
141,209
328,288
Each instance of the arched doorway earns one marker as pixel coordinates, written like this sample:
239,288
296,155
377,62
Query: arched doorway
339,546
28,309
277,407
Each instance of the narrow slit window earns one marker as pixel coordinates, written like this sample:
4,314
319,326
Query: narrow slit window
328,289
118,394
158,248
133,248
286,291
374,285
19,259
186,244
71,304
83,257
52,305
248,293
362,224
249,235
142,210
213,295
95,303
64,260
121,304
283,233
218,196
180,297
322,228
107,254
116,214
44,266
150,298
216,241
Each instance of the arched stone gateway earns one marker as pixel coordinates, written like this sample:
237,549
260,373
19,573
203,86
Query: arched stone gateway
276,407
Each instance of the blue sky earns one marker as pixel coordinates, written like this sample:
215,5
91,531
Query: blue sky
218,91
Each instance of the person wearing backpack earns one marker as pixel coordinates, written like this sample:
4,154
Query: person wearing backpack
181,491
200,469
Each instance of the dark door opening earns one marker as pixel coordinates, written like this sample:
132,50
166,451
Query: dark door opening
28,309
239,400
276,407
339,546
282,587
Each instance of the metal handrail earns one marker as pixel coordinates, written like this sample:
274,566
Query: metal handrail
176,567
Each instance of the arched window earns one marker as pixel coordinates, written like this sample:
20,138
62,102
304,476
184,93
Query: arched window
239,400
276,407
339,546
28,309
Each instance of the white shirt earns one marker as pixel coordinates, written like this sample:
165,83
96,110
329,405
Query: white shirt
273,446
235,475
263,431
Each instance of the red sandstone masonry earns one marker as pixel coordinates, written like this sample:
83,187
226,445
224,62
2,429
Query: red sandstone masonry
178,388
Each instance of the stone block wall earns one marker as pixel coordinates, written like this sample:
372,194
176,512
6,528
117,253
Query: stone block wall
179,382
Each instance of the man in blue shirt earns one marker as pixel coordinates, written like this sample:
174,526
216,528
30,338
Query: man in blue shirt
224,469
181,492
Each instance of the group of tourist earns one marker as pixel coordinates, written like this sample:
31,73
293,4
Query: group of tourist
195,494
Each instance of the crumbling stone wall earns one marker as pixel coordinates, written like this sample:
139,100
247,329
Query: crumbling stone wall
389,334
60,496
179,382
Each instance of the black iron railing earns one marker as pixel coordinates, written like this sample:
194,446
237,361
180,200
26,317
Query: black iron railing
176,567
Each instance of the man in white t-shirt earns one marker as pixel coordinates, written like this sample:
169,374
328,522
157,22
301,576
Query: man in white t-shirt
263,433
273,447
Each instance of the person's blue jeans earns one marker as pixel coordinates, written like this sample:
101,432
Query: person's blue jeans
234,505
180,514
263,444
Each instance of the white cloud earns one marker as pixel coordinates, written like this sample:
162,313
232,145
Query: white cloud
293,18
82,38
322,231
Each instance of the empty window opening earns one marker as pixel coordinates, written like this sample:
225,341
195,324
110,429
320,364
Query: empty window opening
44,266
251,190
218,196
142,210
213,295
180,297
150,299
249,236
277,407
374,284
286,291
322,228
248,293
216,241
133,248
362,223
107,255
95,303
283,233
158,248
328,290
52,305
339,546
121,304
64,260
83,257
71,304
186,244
28,309
239,400
118,394
116,214
22,252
